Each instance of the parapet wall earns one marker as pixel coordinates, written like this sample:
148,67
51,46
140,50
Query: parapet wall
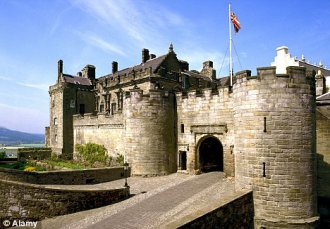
236,212
65,177
30,201
150,132
275,144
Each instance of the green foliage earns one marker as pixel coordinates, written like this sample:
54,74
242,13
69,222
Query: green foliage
23,165
65,164
120,159
3,155
92,152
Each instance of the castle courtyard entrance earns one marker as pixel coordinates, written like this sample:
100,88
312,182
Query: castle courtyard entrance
211,155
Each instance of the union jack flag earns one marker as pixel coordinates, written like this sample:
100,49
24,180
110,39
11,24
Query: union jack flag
235,22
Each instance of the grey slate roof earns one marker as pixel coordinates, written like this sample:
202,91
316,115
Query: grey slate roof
153,63
76,80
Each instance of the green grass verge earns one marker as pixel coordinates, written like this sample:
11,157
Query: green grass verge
66,164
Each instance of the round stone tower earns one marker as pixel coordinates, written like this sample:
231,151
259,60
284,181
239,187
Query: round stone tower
150,132
275,146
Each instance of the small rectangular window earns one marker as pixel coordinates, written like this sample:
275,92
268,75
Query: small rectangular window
113,108
82,109
55,121
182,128
101,108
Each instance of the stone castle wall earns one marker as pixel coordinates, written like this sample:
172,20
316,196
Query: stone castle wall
65,101
150,132
323,152
102,129
275,144
202,114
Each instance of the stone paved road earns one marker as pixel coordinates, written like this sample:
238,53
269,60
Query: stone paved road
144,213
156,202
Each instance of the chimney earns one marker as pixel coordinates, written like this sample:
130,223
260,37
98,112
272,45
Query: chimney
88,72
152,56
145,55
79,74
208,70
59,69
114,67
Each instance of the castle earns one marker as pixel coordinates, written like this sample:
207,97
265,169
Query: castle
166,118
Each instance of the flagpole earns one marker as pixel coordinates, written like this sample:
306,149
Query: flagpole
230,51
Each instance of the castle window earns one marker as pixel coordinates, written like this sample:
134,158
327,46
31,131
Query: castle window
102,107
113,108
55,137
185,82
55,121
81,109
182,128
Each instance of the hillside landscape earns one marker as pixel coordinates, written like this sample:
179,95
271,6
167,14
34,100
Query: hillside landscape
13,137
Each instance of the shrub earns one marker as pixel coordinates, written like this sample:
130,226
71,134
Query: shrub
3,155
120,159
92,152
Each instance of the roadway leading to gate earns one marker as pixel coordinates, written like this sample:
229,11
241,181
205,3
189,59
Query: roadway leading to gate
163,200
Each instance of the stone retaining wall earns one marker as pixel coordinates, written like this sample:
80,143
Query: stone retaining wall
66,177
235,213
33,153
31,201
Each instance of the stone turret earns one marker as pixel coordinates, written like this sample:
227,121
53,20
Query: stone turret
275,146
150,134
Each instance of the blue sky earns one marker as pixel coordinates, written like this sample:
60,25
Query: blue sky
35,34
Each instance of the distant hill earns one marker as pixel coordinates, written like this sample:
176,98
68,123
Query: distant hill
13,137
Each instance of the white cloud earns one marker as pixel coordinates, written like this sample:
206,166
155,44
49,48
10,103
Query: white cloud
100,43
142,24
43,87
4,78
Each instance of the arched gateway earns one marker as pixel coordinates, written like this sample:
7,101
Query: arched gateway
210,155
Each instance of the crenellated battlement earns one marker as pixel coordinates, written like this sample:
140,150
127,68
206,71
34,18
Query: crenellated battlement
266,75
98,120
204,94
137,95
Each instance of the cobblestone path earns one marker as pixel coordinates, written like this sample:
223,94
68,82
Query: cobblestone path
157,201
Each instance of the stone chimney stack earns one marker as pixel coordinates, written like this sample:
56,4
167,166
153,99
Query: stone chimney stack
59,70
145,55
114,67
208,70
88,72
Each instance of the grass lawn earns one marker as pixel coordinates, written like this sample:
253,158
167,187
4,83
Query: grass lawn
66,164
22,166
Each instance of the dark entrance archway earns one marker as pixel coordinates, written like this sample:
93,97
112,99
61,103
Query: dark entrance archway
211,155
